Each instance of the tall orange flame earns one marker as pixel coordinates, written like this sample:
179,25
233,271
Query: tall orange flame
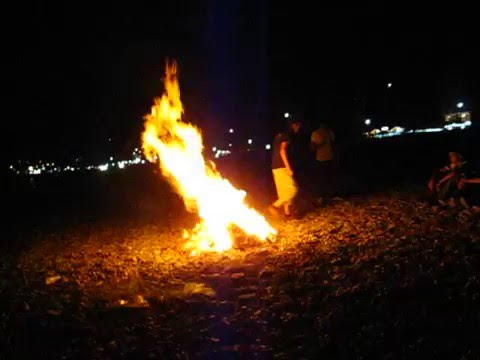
179,147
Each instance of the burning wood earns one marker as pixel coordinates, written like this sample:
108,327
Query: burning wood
179,147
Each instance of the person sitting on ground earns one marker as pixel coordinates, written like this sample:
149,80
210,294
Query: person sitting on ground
446,184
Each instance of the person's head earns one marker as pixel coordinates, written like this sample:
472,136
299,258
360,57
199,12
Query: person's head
294,124
455,157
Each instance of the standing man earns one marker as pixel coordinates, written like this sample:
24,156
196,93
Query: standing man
321,142
283,171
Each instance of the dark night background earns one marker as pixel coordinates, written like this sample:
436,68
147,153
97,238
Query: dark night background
78,75
93,264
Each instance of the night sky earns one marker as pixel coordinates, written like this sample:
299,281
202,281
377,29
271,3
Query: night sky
80,75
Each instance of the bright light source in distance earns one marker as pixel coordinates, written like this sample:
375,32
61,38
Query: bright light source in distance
384,128
103,167
121,165
389,85
230,131
230,145
30,168
214,148
250,141
267,147
368,121
460,105
286,115
397,130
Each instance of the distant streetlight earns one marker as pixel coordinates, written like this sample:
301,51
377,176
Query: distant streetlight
460,105
368,121
229,145
389,85
214,148
230,131
384,128
267,147
286,115
250,141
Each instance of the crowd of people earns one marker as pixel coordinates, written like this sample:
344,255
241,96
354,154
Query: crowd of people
302,165
307,163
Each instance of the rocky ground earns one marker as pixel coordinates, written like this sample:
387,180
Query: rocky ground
383,276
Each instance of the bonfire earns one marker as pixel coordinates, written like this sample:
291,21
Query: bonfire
178,148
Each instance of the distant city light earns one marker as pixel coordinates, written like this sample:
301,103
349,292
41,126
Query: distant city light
220,153
229,145
111,158
267,147
230,131
460,104
250,141
214,148
30,168
368,121
103,167
389,85
464,115
384,128
462,126
397,130
121,165
429,130
286,115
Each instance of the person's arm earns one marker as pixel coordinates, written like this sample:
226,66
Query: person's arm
320,137
445,178
317,139
284,156
472,181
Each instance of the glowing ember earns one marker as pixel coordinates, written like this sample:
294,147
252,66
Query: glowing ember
179,147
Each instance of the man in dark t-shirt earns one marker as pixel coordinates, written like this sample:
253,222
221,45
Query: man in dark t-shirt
282,170
280,138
